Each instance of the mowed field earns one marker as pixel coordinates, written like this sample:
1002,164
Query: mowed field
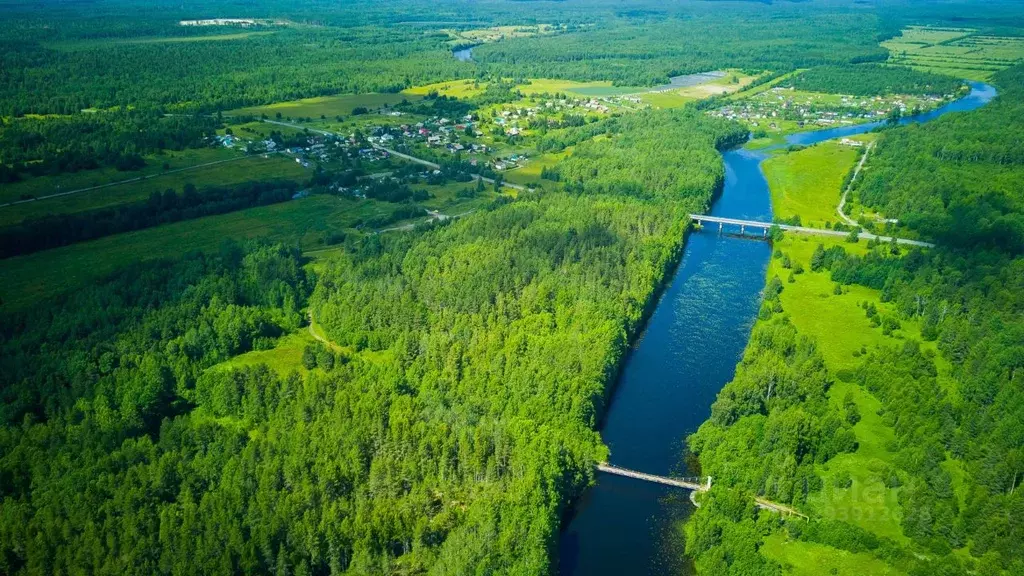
955,51
594,89
34,187
231,168
530,173
327,106
452,88
808,183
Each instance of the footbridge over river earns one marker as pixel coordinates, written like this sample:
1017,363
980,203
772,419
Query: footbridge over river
700,219
701,484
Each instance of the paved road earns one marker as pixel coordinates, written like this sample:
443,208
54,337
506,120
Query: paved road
701,218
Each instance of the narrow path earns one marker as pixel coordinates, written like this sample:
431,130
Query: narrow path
695,485
856,172
434,215
120,182
316,335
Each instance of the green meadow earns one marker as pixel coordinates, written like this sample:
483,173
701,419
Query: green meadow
529,174
236,170
175,160
800,558
957,52
283,358
815,310
306,222
327,106
452,88
75,45
808,183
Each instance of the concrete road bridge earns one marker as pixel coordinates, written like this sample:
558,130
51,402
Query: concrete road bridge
754,225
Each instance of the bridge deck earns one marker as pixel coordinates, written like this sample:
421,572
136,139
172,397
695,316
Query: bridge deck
694,484
701,218
651,477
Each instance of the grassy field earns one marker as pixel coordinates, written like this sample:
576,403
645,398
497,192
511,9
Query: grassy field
809,559
44,185
30,278
762,87
496,33
452,88
815,311
239,169
283,358
666,99
955,51
808,183
328,106
571,87
258,130
305,222
530,173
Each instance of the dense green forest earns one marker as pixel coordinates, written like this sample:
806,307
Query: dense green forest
957,179
450,432
440,414
873,80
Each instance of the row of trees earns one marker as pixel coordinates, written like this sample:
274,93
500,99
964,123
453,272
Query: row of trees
161,208
873,80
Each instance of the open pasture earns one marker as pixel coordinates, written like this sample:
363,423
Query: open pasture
529,173
955,51
497,33
452,88
808,183
595,89
34,187
327,106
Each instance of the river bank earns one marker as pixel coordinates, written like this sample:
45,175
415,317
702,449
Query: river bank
687,352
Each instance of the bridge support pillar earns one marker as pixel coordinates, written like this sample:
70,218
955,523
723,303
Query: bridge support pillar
720,227
743,229
764,232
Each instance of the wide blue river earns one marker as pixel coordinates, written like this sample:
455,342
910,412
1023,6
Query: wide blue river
688,351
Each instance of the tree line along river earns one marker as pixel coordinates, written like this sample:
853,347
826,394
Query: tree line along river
687,352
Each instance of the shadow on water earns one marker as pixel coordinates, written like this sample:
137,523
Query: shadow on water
688,351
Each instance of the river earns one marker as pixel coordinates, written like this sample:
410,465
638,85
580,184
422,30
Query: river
688,351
